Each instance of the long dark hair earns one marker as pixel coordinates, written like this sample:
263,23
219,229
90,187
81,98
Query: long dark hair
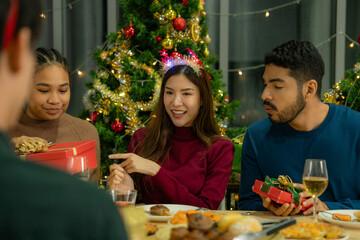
156,144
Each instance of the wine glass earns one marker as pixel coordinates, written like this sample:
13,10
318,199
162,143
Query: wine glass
78,166
315,178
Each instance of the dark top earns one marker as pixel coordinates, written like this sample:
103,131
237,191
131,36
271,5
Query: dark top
278,149
42,203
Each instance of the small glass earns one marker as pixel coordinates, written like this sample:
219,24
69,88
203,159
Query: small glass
123,197
78,166
315,179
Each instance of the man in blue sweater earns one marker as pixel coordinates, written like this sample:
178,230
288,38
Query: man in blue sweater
299,127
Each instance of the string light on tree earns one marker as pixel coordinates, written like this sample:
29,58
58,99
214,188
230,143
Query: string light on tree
240,72
267,14
43,16
352,45
80,73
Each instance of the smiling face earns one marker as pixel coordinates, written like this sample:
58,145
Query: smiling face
50,95
283,100
182,100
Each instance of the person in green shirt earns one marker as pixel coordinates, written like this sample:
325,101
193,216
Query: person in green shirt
37,202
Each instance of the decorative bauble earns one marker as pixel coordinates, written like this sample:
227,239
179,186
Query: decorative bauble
359,38
207,39
167,43
227,98
103,55
176,54
129,31
179,24
206,52
116,126
184,2
158,38
170,14
93,116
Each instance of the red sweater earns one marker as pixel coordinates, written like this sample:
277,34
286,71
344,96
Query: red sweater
192,174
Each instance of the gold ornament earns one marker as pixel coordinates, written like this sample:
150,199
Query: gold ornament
103,55
170,14
206,52
157,15
194,35
167,43
207,39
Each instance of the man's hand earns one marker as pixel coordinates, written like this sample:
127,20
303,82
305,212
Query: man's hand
280,210
320,206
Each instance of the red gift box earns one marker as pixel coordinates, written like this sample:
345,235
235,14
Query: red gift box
57,155
275,194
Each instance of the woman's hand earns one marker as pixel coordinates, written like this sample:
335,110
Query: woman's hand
119,178
320,206
134,163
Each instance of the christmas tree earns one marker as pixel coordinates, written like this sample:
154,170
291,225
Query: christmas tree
128,76
347,91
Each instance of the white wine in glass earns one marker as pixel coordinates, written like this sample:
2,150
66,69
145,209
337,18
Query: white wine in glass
315,179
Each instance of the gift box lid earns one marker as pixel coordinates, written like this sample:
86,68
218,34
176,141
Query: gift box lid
57,156
63,150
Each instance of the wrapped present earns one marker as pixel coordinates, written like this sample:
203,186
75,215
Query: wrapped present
57,155
281,190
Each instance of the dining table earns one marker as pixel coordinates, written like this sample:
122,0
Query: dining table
164,228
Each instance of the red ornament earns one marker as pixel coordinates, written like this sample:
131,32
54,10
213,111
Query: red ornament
158,38
93,116
227,98
129,31
184,2
359,38
116,126
176,54
179,24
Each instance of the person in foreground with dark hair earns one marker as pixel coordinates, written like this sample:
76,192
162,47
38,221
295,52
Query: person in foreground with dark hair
45,113
300,126
37,202
180,158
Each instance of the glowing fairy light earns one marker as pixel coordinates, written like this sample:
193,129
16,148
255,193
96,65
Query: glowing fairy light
240,72
80,73
267,14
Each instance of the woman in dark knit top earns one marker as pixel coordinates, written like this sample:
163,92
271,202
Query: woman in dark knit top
180,158
45,116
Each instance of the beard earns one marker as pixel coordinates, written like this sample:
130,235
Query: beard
290,112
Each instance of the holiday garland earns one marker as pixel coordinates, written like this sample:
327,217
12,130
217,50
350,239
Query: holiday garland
347,91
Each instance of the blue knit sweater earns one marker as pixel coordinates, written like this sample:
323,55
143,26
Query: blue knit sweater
278,149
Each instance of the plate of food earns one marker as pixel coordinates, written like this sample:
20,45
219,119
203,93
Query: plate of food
312,230
163,212
343,217
181,216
